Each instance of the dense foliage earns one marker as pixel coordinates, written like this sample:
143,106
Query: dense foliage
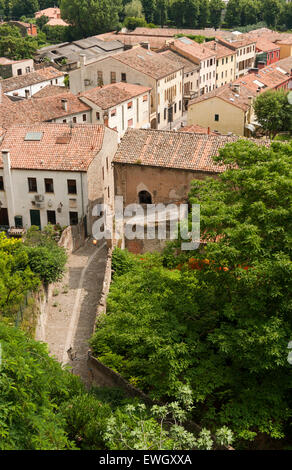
43,407
23,266
217,320
274,111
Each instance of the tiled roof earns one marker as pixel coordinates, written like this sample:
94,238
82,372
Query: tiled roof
41,109
283,64
155,43
113,94
53,12
197,129
168,149
236,44
171,32
57,22
188,46
287,41
21,81
188,65
149,63
49,90
228,94
265,45
269,76
82,143
219,49
5,61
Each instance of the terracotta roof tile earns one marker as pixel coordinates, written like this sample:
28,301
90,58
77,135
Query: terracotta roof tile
197,51
197,129
84,141
168,149
41,109
113,94
219,50
188,65
265,45
21,81
230,95
149,63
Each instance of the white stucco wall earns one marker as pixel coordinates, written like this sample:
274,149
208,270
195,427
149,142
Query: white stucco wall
59,81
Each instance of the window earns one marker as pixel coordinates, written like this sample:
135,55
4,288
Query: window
99,77
113,112
113,77
1,183
158,118
174,107
97,116
107,163
165,110
49,185
75,120
84,117
108,191
73,218
144,197
18,222
145,98
179,105
123,77
56,81
217,117
130,104
103,173
72,189
19,72
64,121
51,216
27,70
32,185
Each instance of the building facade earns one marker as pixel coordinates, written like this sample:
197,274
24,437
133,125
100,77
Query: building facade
142,67
53,173
119,106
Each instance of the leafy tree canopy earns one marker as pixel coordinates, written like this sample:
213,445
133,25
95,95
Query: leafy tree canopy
217,320
274,111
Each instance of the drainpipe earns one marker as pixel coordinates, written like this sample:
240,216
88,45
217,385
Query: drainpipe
8,186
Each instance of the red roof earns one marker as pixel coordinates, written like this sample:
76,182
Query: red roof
80,144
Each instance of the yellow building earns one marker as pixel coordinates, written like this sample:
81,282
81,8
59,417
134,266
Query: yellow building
285,48
225,62
225,110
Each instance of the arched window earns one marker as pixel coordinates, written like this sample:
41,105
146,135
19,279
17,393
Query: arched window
145,197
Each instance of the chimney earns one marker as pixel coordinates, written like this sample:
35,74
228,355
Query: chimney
82,60
215,46
64,104
236,87
208,131
105,119
250,98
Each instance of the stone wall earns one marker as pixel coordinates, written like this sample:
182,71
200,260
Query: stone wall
73,237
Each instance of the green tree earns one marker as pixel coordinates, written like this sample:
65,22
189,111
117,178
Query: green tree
274,112
233,13
134,9
90,17
204,12
148,9
160,16
271,12
250,12
217,320
191,13
16,277
24,7
216,8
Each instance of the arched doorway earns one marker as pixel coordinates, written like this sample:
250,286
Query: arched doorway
145,197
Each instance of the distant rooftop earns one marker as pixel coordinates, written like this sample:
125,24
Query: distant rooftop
113,94
22,81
